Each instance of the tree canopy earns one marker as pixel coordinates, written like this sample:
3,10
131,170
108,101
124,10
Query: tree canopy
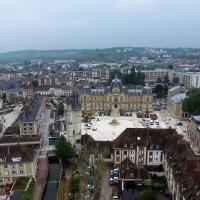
161,91
61,109
134,78
64,149
192,103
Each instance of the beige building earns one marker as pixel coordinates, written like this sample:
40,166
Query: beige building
31,121
193,133
116,98
174,105
17,161
154,75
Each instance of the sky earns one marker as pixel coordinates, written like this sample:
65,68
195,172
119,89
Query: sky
80,24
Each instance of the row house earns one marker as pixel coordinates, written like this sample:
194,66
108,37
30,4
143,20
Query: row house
144,151
193,133
17,161
47,81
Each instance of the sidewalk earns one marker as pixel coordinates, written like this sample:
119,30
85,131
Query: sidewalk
41,178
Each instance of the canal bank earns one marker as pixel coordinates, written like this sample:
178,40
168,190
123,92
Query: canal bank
51,189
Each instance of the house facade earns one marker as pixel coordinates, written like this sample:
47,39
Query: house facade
193,133
174,105
32,119
17,161
156,151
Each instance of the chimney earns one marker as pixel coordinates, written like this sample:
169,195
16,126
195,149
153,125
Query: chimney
196,175
8,149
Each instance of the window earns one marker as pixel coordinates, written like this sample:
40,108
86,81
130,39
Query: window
21,172
150,159
20,165
6,166
14,172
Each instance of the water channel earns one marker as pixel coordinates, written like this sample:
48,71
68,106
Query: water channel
50,192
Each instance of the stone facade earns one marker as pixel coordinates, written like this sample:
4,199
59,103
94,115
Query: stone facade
116,97
193,133
17,161
174,105
30,122
74,117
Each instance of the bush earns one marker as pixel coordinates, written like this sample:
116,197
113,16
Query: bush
27,195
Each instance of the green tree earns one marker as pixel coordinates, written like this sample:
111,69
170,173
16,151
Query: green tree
4,96
175,79
61,109
192,102
35,83
161,91
170,66
113,74
146,195
64,149
166,79
159,80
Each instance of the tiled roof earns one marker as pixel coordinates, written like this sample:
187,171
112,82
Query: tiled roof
128,170
132,137
19,139
8,154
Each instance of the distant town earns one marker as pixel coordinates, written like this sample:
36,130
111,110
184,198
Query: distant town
119,123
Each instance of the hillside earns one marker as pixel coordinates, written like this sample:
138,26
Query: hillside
110,54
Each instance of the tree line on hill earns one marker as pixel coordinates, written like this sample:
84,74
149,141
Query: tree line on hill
134,78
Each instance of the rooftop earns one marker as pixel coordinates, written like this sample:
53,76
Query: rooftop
33,110
178,98
17,153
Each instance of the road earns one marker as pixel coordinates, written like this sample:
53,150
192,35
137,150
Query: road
44,129
106,188
10,118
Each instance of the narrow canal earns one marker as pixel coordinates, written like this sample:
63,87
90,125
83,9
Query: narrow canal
53,180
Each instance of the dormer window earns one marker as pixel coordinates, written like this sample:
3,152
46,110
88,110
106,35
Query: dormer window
125,145
131,145
2,159
16,159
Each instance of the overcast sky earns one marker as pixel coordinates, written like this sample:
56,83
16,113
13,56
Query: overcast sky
65,24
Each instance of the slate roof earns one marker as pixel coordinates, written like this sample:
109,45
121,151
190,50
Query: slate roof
178,98
116,83
33,110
